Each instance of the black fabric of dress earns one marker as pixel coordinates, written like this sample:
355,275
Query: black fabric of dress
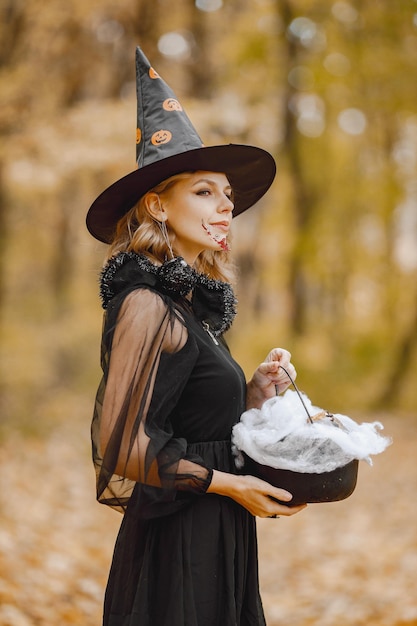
183,557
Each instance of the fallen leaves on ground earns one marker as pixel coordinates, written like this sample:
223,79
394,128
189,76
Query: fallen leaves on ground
350,563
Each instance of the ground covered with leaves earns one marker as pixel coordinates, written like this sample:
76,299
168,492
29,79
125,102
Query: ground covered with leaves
350,563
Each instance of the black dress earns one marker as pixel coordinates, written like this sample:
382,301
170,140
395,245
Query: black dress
170,394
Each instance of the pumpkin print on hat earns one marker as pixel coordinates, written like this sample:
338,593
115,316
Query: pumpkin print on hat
171,104
165,127
161,137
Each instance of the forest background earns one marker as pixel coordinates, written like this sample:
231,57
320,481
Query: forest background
328,259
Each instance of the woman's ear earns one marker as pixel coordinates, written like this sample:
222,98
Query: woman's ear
154,207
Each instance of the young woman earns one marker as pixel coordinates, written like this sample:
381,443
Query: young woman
186,554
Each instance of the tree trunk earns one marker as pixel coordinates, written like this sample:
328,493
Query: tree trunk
302,193
402,363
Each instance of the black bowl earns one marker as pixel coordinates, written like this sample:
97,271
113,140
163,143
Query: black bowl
305,488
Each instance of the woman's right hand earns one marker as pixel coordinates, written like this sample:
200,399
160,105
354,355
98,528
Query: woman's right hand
256,495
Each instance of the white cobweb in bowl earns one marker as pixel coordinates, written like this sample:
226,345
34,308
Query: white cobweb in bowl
281,436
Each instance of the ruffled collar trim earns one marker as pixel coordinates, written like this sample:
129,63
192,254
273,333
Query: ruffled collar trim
212,301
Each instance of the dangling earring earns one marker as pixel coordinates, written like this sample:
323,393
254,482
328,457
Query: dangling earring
176,276
163,227
164,230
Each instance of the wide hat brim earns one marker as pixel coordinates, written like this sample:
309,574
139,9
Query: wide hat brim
250,171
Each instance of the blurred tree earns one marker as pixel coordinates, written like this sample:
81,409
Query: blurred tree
201,68
12,24
401,366
304,200
3,236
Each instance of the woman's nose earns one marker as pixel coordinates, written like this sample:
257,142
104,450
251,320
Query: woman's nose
226,205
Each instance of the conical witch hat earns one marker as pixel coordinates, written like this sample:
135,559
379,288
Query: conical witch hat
167,144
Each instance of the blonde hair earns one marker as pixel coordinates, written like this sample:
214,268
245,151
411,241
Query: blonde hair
138,231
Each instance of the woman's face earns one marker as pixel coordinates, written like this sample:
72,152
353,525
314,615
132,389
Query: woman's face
199,213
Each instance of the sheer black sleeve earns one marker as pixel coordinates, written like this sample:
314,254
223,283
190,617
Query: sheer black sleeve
147,359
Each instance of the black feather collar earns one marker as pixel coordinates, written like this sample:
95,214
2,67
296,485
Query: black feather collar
213,301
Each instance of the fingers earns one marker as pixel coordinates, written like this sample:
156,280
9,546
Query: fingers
276,508
285,511
279,354
280,358
288,374
277,372
277,494
262,499
276,499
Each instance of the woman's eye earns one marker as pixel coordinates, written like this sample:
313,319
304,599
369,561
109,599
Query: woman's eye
208,192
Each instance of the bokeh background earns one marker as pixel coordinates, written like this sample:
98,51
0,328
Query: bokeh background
327,268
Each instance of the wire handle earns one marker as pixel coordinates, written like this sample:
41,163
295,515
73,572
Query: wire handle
298,393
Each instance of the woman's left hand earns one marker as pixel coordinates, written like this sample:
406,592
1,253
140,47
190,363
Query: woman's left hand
270,377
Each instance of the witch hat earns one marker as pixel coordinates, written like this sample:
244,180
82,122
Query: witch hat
168,144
